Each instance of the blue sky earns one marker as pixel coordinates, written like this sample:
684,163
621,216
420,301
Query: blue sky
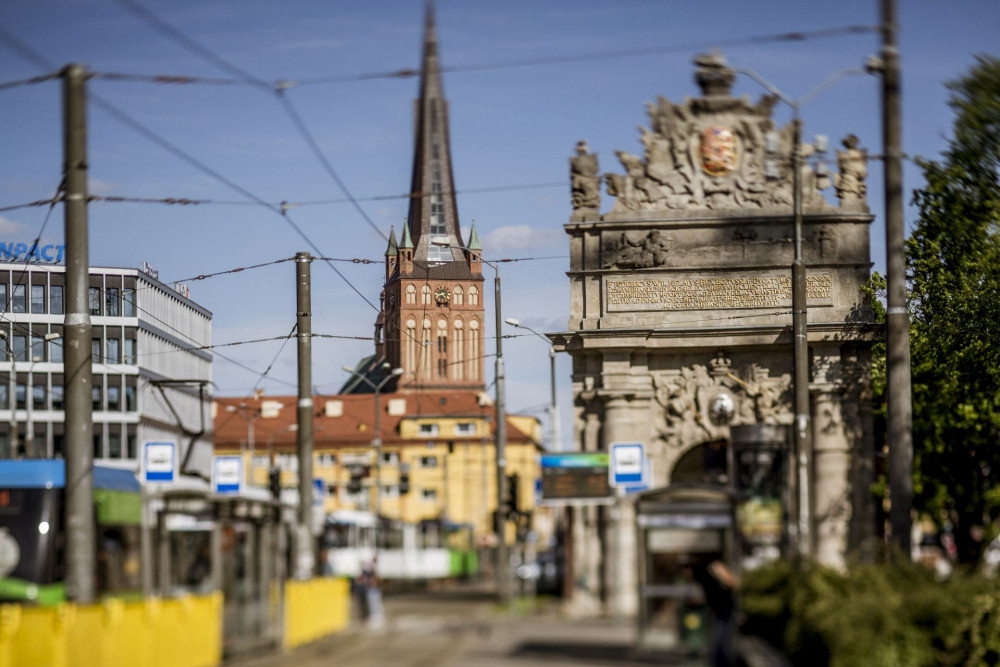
510,126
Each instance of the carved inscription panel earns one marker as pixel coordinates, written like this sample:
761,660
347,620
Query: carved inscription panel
713,292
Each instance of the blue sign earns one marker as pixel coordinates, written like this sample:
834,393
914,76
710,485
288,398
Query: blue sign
39,253
319,491
227,474
159,461
647,475
626,466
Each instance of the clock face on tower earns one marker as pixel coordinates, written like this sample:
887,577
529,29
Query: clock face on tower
442,295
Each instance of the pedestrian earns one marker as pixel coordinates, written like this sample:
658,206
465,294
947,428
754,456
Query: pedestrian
719,586
372,594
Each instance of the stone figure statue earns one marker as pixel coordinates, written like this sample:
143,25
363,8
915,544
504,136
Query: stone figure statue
649,252
585,182
852,163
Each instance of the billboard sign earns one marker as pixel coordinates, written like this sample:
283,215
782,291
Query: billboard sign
576,479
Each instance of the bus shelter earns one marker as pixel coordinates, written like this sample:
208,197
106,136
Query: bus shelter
677,526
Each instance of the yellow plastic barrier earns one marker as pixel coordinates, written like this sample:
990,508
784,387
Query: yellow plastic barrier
314,609
185,632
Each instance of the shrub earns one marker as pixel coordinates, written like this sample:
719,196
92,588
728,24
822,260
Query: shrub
895,615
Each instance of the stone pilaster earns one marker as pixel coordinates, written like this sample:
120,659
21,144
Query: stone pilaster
831,476
621,418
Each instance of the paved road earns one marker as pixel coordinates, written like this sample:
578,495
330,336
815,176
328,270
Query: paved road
464,628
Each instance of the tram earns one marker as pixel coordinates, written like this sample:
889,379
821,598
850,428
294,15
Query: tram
406,552
32,540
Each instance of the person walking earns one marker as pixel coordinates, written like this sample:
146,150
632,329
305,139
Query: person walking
719,586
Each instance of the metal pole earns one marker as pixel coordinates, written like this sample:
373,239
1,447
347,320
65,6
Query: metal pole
80,530
12,396
503,561
898,399
377,445
305,562
29,427
800,349
553,407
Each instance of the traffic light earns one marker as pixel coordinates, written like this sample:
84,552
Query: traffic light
512,504
274,481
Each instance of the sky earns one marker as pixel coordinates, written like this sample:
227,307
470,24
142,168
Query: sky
530,79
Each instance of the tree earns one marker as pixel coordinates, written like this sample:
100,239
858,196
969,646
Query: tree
953,274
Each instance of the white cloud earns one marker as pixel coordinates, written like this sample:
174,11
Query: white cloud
522,237
8,226
99,187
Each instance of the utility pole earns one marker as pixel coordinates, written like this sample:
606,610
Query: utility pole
81,545
305,561
897,319
800,351
503,560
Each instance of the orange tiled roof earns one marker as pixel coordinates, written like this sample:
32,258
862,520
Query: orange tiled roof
355,426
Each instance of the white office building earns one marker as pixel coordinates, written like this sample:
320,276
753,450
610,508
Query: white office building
151,378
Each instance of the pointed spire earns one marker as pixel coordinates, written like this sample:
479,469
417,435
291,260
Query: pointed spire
407,242
392,249
474,243
433,209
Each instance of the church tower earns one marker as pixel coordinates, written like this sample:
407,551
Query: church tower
432,310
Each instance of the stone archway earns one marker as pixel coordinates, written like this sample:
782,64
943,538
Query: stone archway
704,463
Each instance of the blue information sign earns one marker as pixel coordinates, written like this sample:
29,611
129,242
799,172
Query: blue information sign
227,474
627,462
159,461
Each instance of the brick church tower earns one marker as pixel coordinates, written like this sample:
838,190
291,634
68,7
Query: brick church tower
431,323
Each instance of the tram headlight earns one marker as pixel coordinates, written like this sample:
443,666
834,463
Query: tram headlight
43,528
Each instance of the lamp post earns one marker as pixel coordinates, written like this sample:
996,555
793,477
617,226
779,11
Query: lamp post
800,335
554,443
377,438
503,561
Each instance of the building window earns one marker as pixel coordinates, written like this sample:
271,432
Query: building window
37,348
114,446
458,362
56,351
465,428
429,494
111,301
131,444
20,348
4,396
390,458
327,460
130,405
95,350
98,447
474,350
17,304
428,461
21,396
97,398
114,398
389,491
428,429
112,348
56,300
426,350
38,299
473,296
3,297
425,295
128,302
411,346
411,294
38,397
57,397
457,296
94,300
129,356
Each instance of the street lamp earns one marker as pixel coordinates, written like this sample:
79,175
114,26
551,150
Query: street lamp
800,341
29,435
503,561
554,443
377,438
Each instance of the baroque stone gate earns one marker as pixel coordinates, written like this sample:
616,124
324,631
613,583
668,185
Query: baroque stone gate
680,319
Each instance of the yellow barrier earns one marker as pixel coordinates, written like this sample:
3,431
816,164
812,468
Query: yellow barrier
184,632
315,609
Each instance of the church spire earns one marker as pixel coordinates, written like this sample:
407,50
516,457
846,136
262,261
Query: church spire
433,211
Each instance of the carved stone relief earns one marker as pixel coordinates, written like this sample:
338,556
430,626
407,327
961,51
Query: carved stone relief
693,397
716,152
636,251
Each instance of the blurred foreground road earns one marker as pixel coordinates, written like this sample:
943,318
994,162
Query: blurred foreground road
464,627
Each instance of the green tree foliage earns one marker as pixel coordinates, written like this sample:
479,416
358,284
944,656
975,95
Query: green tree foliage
953,271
